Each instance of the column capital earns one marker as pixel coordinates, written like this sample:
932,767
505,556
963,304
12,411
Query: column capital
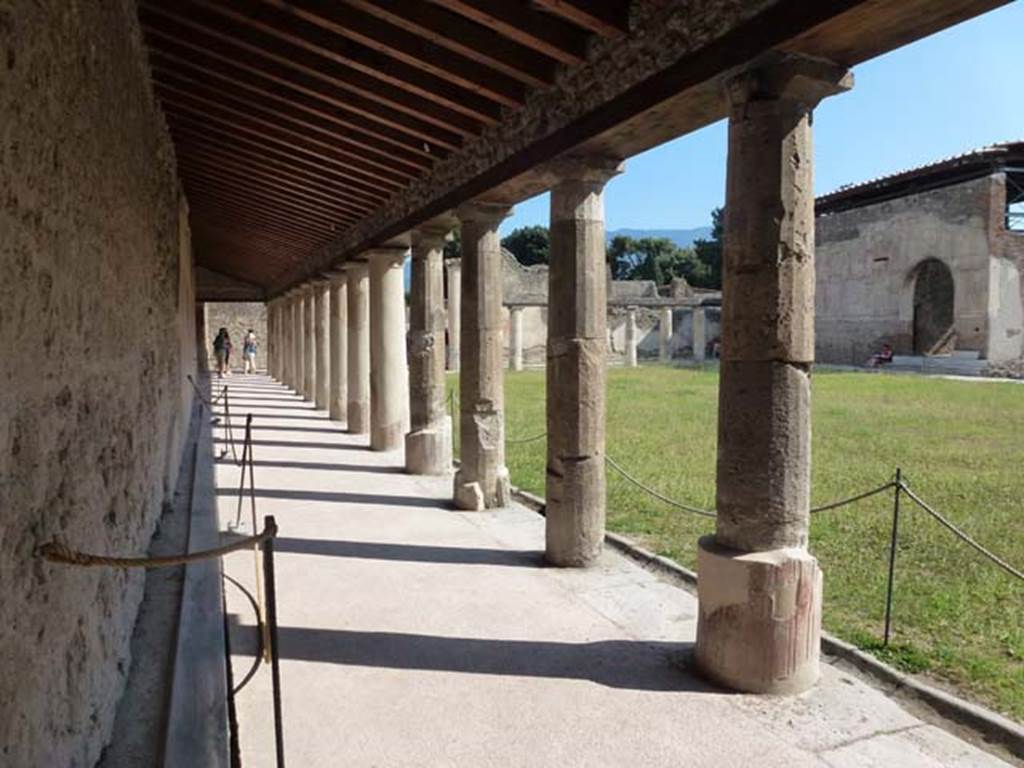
596,169
778,76
393,255
453,264
336,276
430,236
487,213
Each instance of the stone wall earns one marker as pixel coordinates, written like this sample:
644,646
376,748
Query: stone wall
238,317
1006,282
96,338
866,260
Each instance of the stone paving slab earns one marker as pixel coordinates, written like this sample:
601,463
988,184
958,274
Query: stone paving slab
413,634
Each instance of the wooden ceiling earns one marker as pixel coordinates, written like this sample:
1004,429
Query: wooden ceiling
294,119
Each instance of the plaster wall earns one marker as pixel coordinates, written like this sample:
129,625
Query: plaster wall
238,317
865,263
1006,288
96,334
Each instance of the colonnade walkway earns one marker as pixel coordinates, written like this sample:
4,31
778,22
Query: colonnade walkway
413,634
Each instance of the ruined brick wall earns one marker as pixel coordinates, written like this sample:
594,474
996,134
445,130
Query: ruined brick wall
94,339
1006,286
238,317
866,260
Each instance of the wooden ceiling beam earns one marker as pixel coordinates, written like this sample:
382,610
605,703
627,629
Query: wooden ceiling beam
271,29
238,172
210,224
215,80
388,124
189,134
457,33
216,27
175,102
213,207
302,126
551,36
608,18
400,45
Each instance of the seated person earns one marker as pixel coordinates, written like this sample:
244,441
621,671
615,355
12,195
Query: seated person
881,358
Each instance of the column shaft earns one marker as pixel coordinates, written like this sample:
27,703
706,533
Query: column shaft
453,273
700,341
576,365
515,352
389,382
321,341
338,395
665,335
631,337
482,479
428,446
299,361
760,591
308,345
358,409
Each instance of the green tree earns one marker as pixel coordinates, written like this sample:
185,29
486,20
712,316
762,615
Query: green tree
652,258
709,252
530,245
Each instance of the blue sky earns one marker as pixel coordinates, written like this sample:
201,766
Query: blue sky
946,94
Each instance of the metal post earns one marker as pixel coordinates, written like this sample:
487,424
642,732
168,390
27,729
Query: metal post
892,555
275,670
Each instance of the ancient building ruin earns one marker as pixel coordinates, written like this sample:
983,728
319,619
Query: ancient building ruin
927,260
292,153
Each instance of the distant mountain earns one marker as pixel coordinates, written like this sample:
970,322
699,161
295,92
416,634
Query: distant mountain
681,237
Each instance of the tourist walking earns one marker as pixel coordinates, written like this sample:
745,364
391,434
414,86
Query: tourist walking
222,351
249,352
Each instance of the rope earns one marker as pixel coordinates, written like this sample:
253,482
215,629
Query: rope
656,494
57,552
199,393
526,439
961,535
852,499
231,434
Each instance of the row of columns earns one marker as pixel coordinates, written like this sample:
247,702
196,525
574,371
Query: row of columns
759,588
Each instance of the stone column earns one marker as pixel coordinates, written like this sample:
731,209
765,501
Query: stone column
759,617
482,479
515,352
299,352
321,343
453,273
428,446
358,408
389,377
631,337
665,335
700,341
309,344
337,396
577,351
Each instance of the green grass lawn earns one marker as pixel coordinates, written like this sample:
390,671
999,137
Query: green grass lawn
957,617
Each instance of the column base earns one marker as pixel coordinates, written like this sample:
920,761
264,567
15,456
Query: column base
386,438
429,451
759,624
358,418
469,494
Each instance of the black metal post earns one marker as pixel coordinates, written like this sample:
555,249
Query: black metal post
892,556
271,618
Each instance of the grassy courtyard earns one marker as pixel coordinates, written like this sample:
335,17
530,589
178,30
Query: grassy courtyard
957,617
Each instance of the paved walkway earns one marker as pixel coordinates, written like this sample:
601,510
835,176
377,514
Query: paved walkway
412,634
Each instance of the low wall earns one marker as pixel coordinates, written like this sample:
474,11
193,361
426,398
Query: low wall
96,336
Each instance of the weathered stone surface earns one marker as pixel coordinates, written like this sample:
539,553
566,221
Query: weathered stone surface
428,446
665,335
515,353
358,409
389,375
698,335
308,344
759,621
631,337
97,334
482,479
338,395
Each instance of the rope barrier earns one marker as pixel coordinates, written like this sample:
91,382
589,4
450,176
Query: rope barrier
852,499
960,534
525,440
58,552
658,495
199,393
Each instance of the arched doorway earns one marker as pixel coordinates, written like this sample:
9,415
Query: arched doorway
933,304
